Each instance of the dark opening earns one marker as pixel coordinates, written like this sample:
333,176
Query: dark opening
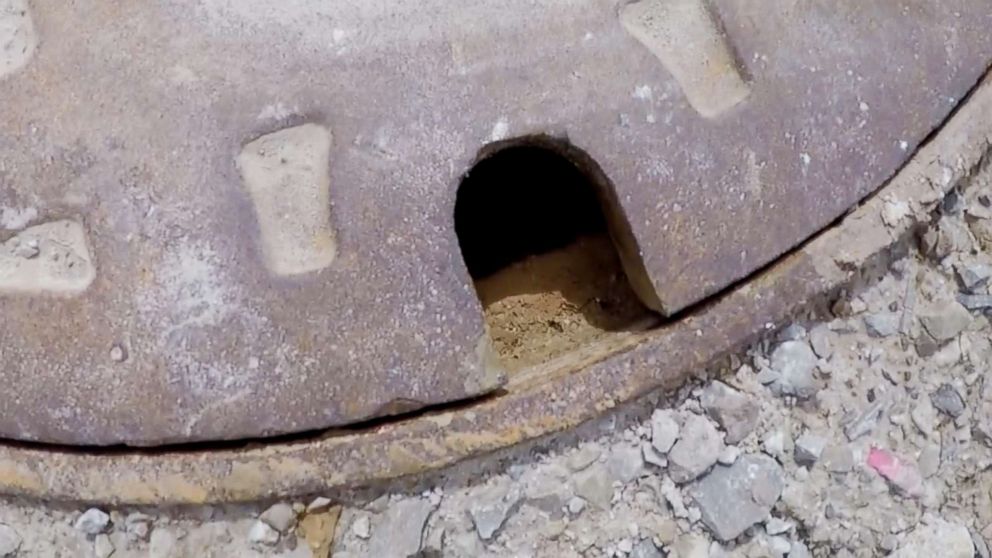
536,241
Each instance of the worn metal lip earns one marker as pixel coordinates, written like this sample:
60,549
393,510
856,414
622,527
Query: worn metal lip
660,359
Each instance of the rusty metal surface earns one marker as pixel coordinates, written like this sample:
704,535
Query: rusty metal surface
202,319
662,359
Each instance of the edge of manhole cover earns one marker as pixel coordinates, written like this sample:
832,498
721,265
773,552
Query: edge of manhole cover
660,359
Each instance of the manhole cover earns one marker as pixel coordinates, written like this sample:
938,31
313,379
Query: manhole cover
230,220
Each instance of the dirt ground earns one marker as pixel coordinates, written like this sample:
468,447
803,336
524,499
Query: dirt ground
550,304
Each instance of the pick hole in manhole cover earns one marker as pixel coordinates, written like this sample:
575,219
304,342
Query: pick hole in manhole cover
535,237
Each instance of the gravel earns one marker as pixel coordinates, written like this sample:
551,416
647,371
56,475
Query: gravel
849,435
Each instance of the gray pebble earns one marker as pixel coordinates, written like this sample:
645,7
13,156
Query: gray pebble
490,509
625,463
696,451
808,449
644,548
93,522
664,430
735,412
732,499
399,531
975,301
280,517
595,486
794,361
947,400
883,324
973,276
946,322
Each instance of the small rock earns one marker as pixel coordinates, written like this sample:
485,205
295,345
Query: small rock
866,422
280,517
318,504
651,455
362,527
645,549
776,526
696,451
664,430
692,546
938,538
795,362
948,400
138,526
779,545
576,505
732,499
735,412
263,533
809,448
883,324
583,457
10,541
819,340
777,444
400,529
625,463
973,276
490,508
975,301
946,322
673,496
729,455
102,547
791,332
949,236
838,459
901,474
625,546
595,486
93,522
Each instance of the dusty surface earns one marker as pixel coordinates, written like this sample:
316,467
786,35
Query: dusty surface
130,117
866,432
548,305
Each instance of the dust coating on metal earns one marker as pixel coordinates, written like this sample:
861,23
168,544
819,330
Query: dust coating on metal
231,333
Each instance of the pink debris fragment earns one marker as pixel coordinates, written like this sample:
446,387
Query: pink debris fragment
900,474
